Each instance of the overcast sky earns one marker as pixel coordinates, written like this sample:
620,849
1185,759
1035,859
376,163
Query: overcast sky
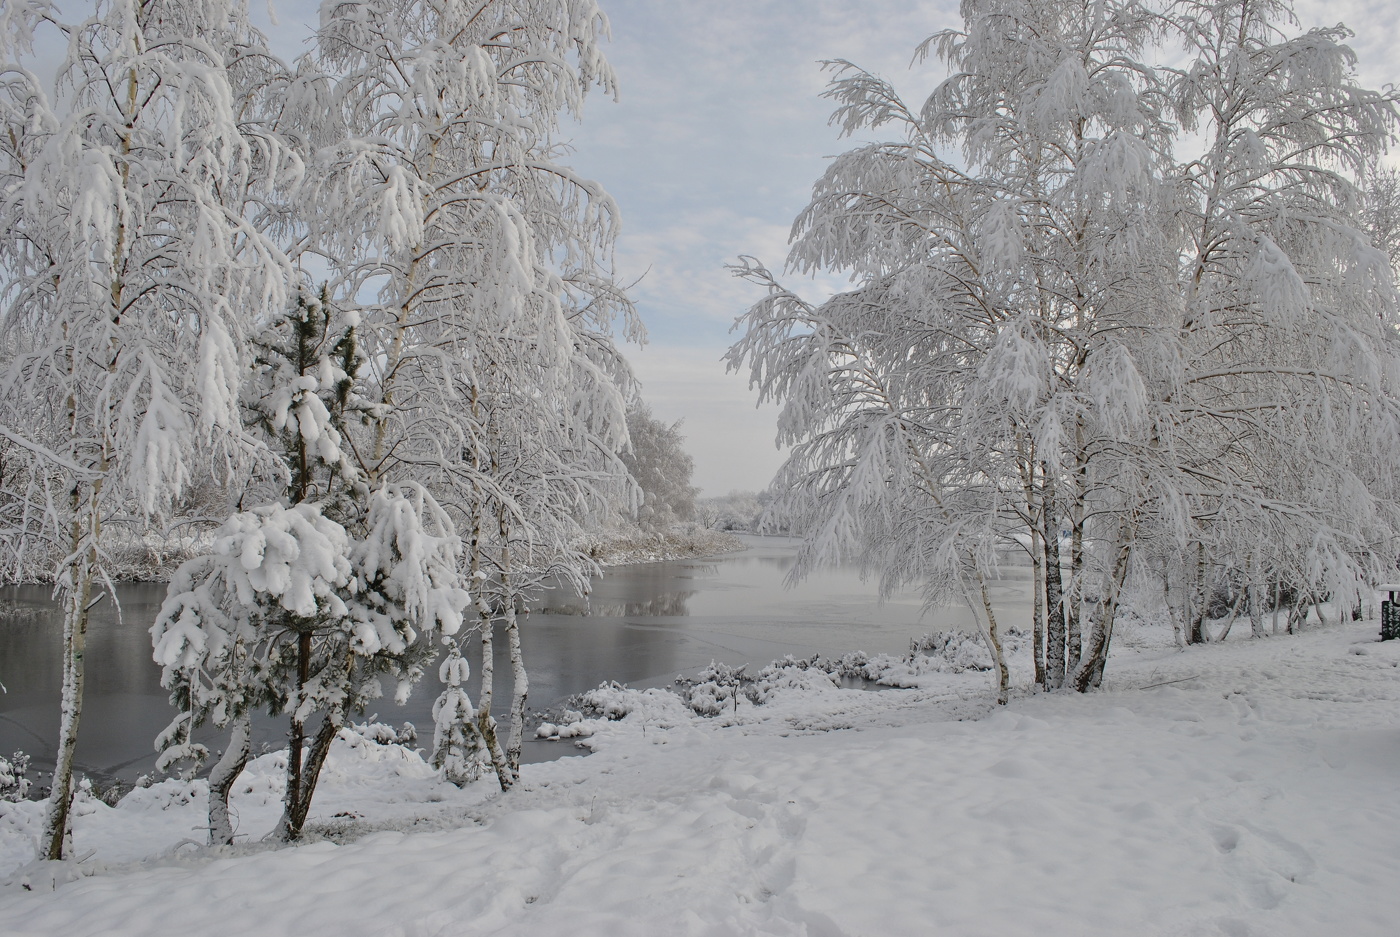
711,150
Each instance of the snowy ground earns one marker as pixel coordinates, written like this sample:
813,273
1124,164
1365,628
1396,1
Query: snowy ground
1249,789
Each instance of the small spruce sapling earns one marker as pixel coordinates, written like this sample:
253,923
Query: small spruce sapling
458,750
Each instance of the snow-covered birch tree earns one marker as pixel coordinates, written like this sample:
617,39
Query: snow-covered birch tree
661,467
492,359
975,362
129,180
1045,291
1285,419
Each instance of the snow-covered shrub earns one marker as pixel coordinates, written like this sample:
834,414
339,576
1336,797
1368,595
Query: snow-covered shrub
717,688
571,725
938,652
613,701
458,750
791,674
382,733
14,786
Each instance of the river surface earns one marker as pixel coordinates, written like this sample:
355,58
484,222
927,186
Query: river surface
643,625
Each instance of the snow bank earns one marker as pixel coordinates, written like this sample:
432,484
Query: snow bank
628,547
1245,789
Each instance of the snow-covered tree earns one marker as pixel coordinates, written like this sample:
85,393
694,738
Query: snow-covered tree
1065,337
443,194
1284,406
130,184
457,746
307,602
657,460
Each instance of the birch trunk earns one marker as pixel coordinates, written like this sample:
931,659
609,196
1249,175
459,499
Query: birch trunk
991,635
1090,671
1055,635
1072,598
57,834
1197,633
1036,517
520,681
1038,608
485,722
994,638
1256,602
1173,612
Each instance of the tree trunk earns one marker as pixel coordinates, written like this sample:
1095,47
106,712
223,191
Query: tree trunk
1073,601
485,722
57,835
519,690
994,644
1055,634
1090,671
1038,608
1035,515
296,734
1256,601
1174,613
294,816
520,681
1234,613
1278,600
1197,633
222,778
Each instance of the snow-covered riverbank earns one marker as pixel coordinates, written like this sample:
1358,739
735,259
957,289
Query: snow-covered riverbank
1244,789
633,545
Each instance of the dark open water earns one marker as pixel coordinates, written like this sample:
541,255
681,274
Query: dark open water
642,626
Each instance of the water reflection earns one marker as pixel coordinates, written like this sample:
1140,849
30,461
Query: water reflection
642,625
669,605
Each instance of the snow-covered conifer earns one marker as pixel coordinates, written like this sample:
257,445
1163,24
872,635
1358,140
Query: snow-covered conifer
457,746
307,602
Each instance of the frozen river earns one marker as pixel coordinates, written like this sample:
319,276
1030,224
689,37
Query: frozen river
643,626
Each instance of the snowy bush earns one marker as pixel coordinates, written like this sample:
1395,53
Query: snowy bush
716,688
571,725
613,701
458,750
382,733
14,786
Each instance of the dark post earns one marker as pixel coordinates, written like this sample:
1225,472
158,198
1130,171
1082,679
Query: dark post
1390,614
